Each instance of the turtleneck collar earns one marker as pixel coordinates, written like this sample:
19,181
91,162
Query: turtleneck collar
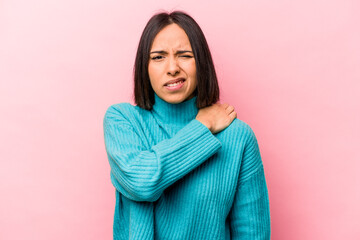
179,113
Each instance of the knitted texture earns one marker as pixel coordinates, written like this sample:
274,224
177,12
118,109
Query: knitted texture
174,179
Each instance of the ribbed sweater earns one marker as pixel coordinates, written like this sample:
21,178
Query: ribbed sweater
174,179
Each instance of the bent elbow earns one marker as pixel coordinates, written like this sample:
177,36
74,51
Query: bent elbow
147,196
139,191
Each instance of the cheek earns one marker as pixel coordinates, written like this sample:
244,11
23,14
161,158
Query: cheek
155,70
191,72
151,70
190,68
156,75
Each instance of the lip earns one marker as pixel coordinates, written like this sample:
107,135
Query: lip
174,81
177,87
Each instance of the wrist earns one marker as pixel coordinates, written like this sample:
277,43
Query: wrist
206,123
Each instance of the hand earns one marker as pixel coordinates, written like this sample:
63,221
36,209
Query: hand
216,117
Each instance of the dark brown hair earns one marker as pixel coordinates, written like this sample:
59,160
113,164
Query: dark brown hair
207,90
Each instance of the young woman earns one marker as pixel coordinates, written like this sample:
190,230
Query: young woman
182,164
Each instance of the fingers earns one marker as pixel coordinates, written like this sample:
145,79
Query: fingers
229,109
225,105
233,115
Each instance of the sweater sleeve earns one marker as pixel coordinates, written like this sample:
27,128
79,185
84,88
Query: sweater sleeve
143,174
250,213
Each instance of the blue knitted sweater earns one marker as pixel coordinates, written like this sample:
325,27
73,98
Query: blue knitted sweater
174,179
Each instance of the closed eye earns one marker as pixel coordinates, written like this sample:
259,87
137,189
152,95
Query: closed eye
186,56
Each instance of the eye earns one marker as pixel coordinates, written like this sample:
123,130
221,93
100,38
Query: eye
186,56
157,57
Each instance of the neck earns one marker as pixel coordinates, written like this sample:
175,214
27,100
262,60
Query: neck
179,113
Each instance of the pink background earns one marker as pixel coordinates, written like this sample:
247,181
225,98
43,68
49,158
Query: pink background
291,69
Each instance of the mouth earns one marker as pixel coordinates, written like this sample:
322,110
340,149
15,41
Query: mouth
175,84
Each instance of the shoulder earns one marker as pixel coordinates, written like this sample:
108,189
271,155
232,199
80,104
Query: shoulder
240,125
119,109
241,129
122,112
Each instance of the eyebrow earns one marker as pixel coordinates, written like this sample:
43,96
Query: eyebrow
177,52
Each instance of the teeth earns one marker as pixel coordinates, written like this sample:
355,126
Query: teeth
174,84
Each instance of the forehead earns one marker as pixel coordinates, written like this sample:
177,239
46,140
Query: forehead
171,37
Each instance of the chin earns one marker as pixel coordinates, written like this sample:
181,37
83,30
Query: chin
175,99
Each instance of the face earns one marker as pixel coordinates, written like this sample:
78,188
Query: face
172,68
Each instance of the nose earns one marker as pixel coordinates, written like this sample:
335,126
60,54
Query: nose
173,67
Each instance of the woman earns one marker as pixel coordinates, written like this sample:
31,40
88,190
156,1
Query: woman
183,165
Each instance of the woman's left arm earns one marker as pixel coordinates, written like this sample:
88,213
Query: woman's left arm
250,213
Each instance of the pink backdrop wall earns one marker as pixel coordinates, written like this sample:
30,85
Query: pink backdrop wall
291,69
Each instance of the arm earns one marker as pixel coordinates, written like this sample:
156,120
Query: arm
250,213
143,174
